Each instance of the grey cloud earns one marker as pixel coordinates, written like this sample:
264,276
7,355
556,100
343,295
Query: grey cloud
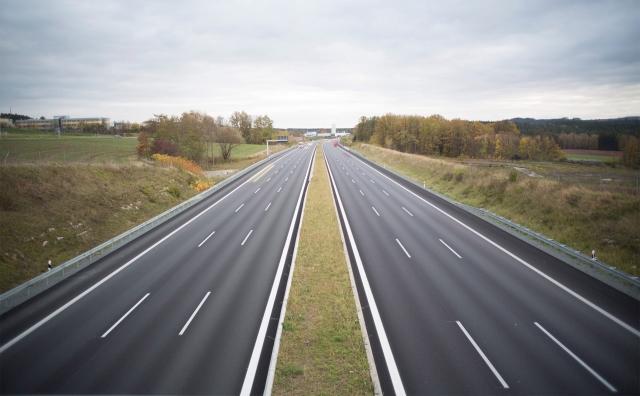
317,63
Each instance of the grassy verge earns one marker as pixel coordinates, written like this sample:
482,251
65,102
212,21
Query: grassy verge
582,217
57,211
321,350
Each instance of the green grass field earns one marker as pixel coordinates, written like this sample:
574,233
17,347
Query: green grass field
600,158
40,148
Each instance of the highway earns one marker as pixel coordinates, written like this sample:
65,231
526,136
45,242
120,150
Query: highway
185,309
454,305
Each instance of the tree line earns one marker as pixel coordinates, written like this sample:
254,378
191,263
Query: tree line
193,135
435,135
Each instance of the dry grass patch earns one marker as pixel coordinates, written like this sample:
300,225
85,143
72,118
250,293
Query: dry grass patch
321,350
57,211
582,217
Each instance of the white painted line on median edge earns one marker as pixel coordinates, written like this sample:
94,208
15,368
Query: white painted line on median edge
495,372
589,369
396,381
194,314
405,209
245,238
125,315
518,259
385,192
405,250
239,208
258,190
205,239
454,252
361,192
267,207
279,189
114,273
266,317
374,209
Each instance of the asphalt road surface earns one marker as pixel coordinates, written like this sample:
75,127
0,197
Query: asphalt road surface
185,309
454,305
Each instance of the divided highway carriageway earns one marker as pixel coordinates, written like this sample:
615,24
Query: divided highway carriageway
185,309
454,305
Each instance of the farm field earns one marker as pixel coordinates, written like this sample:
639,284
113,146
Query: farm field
45,148
593,155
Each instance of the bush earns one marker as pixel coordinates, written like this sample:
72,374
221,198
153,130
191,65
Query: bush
175,191
200,185
513,175
179,162
459,174
447,176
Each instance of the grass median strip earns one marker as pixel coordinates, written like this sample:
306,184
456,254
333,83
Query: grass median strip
321,349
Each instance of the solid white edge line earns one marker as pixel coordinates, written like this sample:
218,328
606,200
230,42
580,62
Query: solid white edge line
396,381
405,209
267,207
240,207
454,252
194,314
245,238
486,360
271,373
124,316
114,273
373,370
521,261
205,239
374,209
405,250
257,348
589,369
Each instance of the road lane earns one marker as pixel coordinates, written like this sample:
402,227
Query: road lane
494,297
144,353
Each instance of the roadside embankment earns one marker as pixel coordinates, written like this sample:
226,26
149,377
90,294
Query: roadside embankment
321,349
57,211
584,218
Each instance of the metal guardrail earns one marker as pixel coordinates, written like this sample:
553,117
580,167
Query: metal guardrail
33,287
575,254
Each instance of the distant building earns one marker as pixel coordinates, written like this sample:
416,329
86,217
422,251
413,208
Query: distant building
6,122
333,129
297,139
62,122
323,135
311,134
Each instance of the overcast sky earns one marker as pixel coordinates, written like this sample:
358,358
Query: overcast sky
313,64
